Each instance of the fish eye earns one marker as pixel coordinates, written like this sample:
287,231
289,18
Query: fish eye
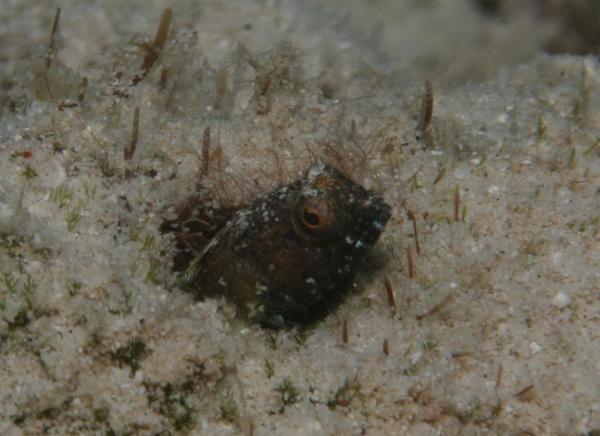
315,215
311,218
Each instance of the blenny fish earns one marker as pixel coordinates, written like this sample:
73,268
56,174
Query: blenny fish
284,259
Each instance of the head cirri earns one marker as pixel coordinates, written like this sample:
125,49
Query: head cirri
288,256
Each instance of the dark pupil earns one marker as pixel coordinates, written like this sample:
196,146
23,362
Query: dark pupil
311,218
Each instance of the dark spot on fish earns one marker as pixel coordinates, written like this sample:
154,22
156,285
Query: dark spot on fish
287,258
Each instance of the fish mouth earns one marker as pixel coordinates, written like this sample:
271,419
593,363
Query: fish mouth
377,214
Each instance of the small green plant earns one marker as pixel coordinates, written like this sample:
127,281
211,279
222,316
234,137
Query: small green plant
271,341
152,273
74,216
27,291
288,393
300,337
171,402
21,319
73,287
24,291
61,195
89,189
430,345
9,282
228,409
127,296
135,230
591,148
148,242
269,368
344,395
9,241
29,172
130,354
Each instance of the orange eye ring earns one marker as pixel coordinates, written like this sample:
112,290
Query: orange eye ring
315,215
311,218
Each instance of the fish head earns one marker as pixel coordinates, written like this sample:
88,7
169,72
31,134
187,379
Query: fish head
330,209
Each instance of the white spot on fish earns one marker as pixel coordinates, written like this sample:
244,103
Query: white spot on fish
378,226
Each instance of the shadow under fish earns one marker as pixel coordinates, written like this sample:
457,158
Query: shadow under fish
288,258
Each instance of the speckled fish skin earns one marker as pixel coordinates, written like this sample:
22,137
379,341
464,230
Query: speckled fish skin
287,256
